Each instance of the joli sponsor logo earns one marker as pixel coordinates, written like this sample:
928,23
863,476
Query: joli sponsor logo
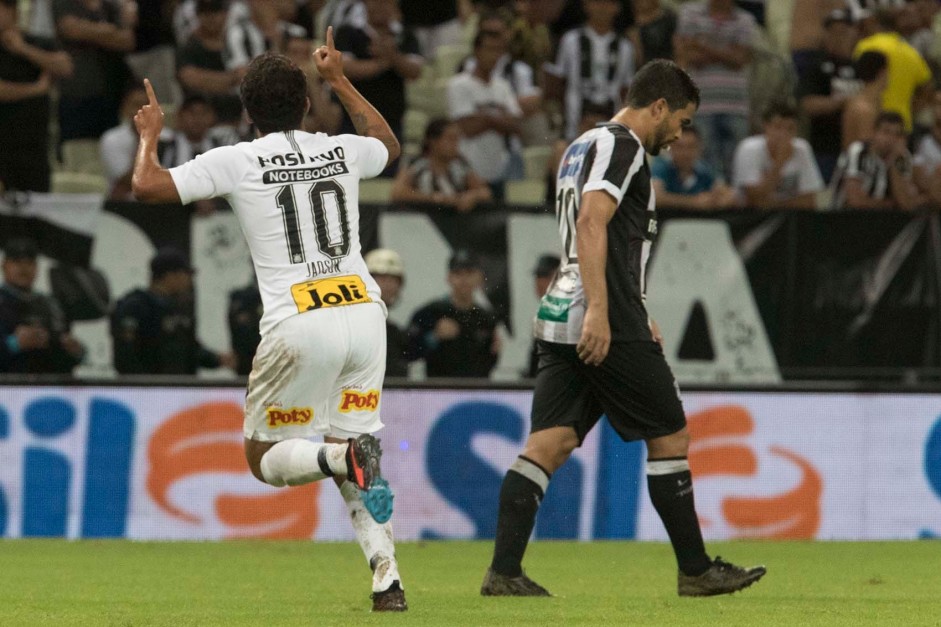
343,290
359,401
289,417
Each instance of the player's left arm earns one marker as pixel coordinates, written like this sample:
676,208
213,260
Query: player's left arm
597,209
151,182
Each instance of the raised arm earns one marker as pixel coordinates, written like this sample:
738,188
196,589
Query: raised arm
151,182
367,121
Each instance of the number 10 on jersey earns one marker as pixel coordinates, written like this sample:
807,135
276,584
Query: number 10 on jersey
327,201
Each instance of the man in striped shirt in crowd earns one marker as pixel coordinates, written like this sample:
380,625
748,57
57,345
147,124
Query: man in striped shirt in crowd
877,174
714,42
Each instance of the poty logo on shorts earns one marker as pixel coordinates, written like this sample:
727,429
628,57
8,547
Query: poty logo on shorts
289,417
358,401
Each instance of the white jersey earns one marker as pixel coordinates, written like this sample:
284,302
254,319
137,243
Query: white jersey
296,196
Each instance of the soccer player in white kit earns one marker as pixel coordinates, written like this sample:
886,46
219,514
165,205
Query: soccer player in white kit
321,361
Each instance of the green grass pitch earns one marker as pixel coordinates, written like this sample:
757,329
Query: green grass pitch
119,583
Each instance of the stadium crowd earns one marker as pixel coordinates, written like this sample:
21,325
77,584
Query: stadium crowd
806,104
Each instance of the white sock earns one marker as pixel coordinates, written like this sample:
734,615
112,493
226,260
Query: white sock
375,540
297,461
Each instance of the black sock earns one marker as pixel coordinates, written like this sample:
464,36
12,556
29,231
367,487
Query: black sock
520,495
671,490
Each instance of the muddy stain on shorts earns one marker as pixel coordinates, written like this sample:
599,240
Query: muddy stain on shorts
273,368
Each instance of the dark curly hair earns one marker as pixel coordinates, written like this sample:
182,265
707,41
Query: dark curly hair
274,92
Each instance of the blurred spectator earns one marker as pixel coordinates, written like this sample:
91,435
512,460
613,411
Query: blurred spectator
543,273
910,24
928,10
530,39
154,55
34,334
909,85
714,42
935,26
27,66
338,13
594,64
683,180
569,14
307,14
488,114
877,174
869,8
118,145
435,23
927,160
378,58
200,64
153,330
193,133
455,336
517,73
96,34
324,115
653,30
186,19
441,176
807,30
777,170
825,86
261,30
386,268
860,111
245,310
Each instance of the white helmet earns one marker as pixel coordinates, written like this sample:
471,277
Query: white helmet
385,261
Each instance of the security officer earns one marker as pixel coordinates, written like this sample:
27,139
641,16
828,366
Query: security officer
385,265
34,333
456,336
154,330
245,311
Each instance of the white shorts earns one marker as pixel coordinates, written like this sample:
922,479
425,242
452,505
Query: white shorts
318,373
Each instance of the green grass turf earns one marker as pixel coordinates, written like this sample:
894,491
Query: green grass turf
55,582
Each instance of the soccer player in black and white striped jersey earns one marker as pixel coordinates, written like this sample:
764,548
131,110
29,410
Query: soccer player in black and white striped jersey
599,352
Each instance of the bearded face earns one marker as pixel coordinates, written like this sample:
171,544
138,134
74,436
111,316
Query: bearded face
662,136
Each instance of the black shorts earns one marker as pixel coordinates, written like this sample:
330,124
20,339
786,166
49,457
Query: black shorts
633,387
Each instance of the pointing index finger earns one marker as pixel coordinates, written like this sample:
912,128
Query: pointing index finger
330,38
151,96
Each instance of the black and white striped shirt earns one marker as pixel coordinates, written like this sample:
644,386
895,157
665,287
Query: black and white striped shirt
453,181
860,162
596,69
608,158
244,41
